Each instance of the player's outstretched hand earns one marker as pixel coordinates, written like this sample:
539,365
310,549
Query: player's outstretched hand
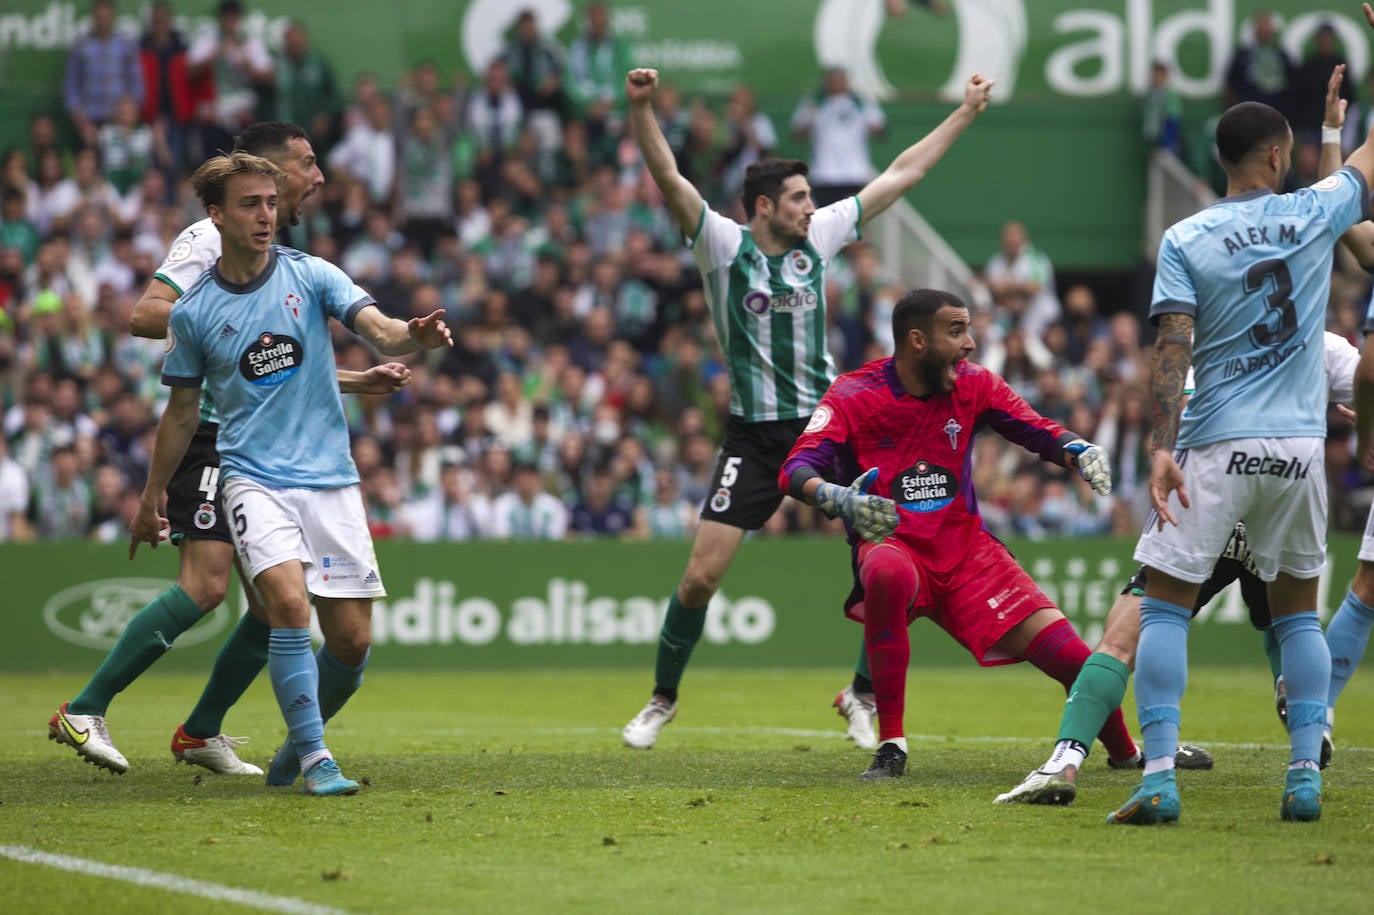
1368,15
1092,465
146,527
977,91
430,331
640,84
874,517
1166,477
1334,115
387,378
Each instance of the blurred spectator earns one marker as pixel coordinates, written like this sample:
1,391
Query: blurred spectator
230,69
596,513
1021,280
1162,122
102,67
1261,71
167,101
536,69
1081,322
16,231
62,498
749,137
426,181
839,124
14,497
305,94
1309,86
668,515
598,60
451,513
493,120
367,151
128,148
528,512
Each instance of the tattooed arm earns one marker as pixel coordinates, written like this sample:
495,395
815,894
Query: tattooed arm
1173,355
1173,352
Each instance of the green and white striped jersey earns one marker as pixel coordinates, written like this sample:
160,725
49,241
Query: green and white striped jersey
195,250
769,312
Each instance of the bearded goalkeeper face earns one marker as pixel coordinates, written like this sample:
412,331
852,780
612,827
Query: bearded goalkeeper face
940,349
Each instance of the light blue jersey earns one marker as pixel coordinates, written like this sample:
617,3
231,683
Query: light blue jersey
264,350
1254,271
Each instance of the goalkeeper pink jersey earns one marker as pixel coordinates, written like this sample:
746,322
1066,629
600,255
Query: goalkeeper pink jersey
922,447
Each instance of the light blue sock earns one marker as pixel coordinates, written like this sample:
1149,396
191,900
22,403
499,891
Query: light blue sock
1161,674
1306,676
1346,636
338,681
296,682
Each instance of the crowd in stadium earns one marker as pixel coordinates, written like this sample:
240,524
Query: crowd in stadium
586,372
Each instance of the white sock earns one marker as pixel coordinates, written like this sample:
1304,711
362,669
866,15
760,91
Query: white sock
311,759
1159,764
898,742
1066,753
1304,764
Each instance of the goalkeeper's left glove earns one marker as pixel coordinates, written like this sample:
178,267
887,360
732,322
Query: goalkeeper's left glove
874,517
1092,465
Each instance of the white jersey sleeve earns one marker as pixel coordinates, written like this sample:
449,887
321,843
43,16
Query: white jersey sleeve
1341,360
716,240
834,226
195,249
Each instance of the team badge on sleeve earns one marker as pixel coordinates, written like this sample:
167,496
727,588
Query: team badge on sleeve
820,419
1329,183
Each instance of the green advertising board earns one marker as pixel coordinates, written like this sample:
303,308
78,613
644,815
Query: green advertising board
581,604
1060,149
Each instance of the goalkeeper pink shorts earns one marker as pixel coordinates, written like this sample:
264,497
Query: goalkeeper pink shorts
977,602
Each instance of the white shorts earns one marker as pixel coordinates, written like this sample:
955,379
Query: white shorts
1367,544
1277,486
326,529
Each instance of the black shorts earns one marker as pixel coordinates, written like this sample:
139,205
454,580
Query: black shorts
193,497
744,489
1252,590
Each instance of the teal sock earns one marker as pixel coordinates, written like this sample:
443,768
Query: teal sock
1272,652
863,678
240,660
681,631
296,682
1097,691
147,637
338,681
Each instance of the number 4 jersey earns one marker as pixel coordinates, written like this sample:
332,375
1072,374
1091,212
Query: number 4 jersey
1254,271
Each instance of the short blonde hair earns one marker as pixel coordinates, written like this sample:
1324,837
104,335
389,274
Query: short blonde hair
212,178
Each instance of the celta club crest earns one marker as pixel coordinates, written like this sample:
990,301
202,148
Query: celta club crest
952,429
293,303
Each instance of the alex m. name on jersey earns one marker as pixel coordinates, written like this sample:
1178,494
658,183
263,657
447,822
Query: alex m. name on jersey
1259,235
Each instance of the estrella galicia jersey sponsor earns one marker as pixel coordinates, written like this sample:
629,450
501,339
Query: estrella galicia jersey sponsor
922,447
1254,271
263,349
769,312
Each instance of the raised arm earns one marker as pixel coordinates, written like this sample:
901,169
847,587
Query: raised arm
395,337
1359,240
916,160
683,200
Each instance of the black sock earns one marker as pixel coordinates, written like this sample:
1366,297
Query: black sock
862,684
668,694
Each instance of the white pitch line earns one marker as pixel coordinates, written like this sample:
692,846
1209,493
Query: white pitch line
171,882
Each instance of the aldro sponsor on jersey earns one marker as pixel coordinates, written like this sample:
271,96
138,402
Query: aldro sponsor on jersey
272,359
925,487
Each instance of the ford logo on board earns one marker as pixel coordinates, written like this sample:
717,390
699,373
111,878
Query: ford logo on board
94,614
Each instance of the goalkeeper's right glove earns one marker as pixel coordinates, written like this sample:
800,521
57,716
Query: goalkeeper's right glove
874,517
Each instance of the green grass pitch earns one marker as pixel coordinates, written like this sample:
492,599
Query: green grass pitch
510,792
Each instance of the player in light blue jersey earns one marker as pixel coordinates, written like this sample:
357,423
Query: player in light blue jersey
1241,291
255,330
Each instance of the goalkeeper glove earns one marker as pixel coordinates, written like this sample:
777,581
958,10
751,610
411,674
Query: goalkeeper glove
1092,465
874,517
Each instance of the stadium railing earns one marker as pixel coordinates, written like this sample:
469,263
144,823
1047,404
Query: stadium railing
916,255
1173,193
